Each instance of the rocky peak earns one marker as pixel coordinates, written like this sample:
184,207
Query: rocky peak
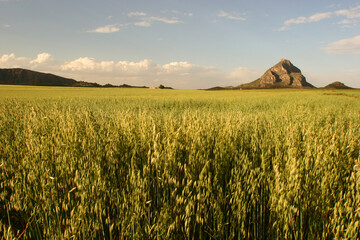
283,74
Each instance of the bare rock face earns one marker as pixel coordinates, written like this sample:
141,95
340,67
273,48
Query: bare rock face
283,74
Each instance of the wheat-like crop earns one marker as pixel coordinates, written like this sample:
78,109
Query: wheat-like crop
168,164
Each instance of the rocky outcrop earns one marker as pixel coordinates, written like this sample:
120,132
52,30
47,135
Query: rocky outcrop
283,74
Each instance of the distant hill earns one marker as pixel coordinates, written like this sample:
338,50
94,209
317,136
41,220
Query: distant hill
19,76
337,85
221,88
283,75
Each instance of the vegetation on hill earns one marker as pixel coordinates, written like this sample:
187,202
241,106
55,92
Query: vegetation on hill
18,76
337,85
105,163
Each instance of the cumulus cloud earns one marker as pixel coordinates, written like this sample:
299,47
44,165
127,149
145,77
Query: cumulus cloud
352,13
182,74
42,61
177,74
41,58
348,45
106,29
227,15
80,64
86,64
11,61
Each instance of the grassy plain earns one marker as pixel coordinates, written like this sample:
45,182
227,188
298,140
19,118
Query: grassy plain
95,163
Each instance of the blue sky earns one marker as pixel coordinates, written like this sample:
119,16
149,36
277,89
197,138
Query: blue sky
182,43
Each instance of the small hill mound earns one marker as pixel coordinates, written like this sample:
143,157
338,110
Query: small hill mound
18,76
337,85
283,75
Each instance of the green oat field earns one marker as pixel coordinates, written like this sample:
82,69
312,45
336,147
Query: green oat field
97,163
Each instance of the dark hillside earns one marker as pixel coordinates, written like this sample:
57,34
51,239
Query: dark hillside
337,85
18,76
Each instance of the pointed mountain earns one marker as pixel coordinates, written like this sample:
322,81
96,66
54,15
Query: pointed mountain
283,75
337,85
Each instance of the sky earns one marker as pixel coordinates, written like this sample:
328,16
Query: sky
181,43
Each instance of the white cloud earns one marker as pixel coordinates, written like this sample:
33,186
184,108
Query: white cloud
43,61
106,29
227,15
143,24
177,66
147,22
144,72
142,21
319,16
80,64
11,61
314,18
136,14
177,74
349,13
164,20
352,13
6,25
41,58
348,45
86,64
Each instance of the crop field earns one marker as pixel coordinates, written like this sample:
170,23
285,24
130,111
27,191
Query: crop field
97,163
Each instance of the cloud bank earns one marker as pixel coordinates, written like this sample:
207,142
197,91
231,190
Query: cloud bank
181,74
343,46
351,16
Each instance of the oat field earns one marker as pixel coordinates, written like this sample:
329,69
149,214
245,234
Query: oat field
96,163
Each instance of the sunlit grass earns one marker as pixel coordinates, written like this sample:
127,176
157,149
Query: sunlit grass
178,164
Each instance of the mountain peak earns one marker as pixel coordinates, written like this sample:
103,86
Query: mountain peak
283,74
